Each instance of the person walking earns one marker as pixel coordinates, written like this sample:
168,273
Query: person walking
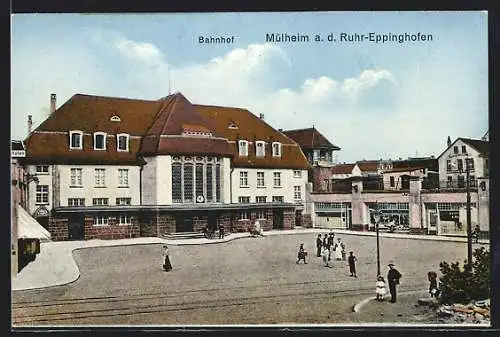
352,264
319,244
393,277
326,254
166,259
301,255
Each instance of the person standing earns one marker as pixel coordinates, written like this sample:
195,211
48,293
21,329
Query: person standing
433,287
352,264
380,288
393,277
301,255
221,231
477,232
319,244
166,259
338,249
326,255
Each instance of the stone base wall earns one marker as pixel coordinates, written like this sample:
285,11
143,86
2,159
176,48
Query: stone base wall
307,221
58,229
289,219
199,222
113,230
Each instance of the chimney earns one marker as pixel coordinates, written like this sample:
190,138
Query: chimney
261,116
448,142
52,103
30,123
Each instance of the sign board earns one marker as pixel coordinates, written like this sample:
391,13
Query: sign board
18,153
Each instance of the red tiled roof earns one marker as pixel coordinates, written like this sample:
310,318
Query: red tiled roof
368,165
342,169
403,169
481,146
310,139
160,124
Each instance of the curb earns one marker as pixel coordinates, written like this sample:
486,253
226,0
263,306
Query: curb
357,307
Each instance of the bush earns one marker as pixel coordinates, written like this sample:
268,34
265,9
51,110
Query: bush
458,285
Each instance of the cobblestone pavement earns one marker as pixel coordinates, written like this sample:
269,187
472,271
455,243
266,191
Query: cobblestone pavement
245,281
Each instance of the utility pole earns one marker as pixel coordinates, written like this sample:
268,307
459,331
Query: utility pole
468,211
377,219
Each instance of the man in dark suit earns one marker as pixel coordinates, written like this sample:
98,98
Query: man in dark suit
393,277
319,243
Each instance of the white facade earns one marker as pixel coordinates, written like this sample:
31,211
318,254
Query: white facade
61,187
397,178
289,179
454,157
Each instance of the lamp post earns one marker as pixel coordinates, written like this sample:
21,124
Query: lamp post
376,217
468,215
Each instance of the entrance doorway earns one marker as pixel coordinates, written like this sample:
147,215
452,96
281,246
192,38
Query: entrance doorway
76,227
212,221
183,223
298,218
278,219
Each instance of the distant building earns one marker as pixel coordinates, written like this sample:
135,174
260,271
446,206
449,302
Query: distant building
318,150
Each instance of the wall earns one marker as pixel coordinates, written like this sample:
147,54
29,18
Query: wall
397,178
149,193
43,179
58,228
164,180
288,181
112,231
226,181
89,191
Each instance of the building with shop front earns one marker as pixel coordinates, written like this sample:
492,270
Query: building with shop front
118,167
411,196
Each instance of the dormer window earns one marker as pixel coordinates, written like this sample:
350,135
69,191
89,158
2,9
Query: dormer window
260,149
243,147
276,149
76,140
232,126
99,141
122,142
115,118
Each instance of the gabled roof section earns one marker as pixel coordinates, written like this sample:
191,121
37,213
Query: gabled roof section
480,146
93,113
310,139
178,116
252,128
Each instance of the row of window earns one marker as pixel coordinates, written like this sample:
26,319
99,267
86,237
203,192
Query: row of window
461,181
76,177
103,220
263,199
196,182
76,141
260,148
76,202
261,182
245,215
460,165
455,149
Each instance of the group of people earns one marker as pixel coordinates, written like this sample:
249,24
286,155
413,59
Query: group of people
326,247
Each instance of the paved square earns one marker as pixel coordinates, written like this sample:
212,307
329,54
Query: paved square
245,281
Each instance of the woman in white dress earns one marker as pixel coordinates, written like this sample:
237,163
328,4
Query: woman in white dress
380,290
338,249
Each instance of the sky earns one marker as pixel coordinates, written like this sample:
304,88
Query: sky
374,100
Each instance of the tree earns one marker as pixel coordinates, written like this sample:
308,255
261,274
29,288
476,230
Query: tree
460,285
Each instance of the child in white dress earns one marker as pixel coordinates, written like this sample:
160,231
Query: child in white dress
380,291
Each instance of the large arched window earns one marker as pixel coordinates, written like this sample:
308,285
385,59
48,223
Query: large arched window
196,179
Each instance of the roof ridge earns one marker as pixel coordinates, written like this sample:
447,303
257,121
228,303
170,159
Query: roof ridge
303,129
79,95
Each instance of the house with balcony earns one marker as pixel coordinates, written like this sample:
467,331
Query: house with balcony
118,167
459,156
316,147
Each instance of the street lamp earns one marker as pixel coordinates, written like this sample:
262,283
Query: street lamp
376,216
468,212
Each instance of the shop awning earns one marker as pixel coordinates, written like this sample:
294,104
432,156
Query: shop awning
29,228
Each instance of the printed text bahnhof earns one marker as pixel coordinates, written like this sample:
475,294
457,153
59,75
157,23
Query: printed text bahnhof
331,37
